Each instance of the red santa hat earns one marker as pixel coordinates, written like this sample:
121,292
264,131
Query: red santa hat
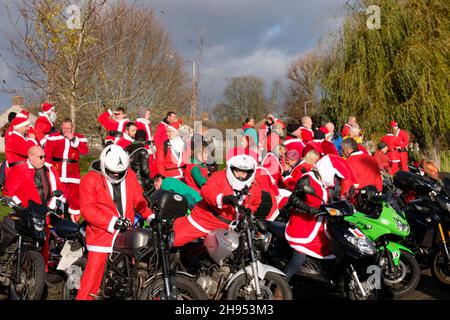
174,125
47,107
20,122
394,124
324,130
23,114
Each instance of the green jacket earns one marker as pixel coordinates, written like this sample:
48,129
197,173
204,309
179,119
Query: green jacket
175,185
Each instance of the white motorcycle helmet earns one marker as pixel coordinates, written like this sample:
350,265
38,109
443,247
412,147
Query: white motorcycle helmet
114,163
241,162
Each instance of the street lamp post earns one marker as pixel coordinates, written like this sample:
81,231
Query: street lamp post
306,104
194,86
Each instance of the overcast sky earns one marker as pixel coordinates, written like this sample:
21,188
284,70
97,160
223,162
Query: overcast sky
243,37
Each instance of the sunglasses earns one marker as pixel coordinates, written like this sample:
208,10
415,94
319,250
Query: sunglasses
41,157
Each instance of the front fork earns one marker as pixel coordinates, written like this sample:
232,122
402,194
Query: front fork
444,242
253,264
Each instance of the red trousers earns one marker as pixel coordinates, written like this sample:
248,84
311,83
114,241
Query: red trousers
404,160
72,194
394,167
93,275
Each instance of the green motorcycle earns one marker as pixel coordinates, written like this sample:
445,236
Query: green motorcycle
386,227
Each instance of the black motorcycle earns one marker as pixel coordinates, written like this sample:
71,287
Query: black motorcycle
429,218
22,267
227,263
350,272
138,267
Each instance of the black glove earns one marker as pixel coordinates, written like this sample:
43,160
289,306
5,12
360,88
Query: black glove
230,199
299,204
122,224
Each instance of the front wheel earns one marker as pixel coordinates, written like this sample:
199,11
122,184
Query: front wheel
186,289
32,277
273,287
405,277
440,269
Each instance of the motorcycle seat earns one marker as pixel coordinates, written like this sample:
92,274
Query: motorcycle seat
66,228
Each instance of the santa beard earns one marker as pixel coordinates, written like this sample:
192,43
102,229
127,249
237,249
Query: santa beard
177,144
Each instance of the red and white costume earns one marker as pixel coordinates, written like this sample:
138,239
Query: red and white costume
403,143
394,157
124,141
170,159
161,134
21,186
64,155
44,124
305,133
16,146
306,233
366,170
100,212
330,166
117,127
296,144
273,166
296,173
202,220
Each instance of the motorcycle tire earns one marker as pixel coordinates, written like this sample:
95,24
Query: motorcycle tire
407,263
187,289
31,284
440,271
273,287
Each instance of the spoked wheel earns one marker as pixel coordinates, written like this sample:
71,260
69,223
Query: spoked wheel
440,269
406,276
273,287
32,277
186,289
72,282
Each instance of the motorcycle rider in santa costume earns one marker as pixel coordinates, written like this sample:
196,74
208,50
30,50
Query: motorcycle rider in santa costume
221,193
109,196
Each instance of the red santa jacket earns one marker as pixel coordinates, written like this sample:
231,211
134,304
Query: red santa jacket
144,124
273,166
383,161
169,163
403,139
42,126
189,179
366,170
345,130
124,141
332,166
264,130
64,155
296,173
306,134
16,147
98,208
160,134
21,187
112,125
393,144
268,184
212,193
329,148
306,233
314,145
296,144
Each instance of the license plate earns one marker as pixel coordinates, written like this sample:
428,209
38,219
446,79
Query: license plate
68,257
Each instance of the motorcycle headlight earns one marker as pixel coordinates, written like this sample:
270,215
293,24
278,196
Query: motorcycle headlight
38,224
334,212
364,245
401,226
